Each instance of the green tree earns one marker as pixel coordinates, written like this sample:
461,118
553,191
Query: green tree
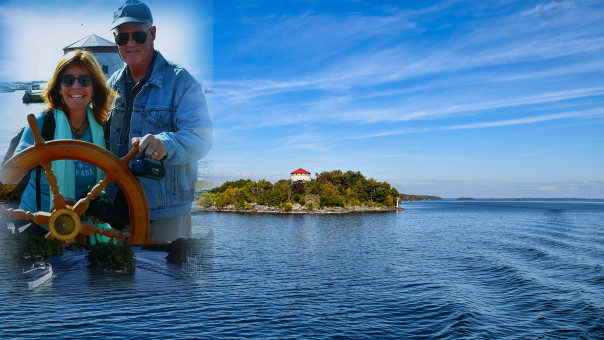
206,199
113,255
299,187
241,197
330,196
226,185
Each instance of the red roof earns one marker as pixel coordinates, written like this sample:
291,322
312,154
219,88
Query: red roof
300,171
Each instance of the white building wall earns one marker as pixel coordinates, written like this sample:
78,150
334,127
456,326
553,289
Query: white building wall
300,177
112,61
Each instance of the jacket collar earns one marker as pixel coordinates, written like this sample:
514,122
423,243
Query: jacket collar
157,74
156,77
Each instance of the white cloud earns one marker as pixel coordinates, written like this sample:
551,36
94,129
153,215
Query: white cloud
528,120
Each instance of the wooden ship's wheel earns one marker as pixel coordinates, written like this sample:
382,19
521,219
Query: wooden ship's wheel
65,222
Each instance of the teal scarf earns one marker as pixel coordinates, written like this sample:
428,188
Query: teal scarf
64,170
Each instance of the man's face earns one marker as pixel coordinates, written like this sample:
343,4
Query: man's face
136,54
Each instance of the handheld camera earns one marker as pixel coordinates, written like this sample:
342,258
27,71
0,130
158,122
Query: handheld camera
146,168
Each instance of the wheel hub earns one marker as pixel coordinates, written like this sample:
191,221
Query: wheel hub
64,224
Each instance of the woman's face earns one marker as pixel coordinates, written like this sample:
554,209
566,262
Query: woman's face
77,94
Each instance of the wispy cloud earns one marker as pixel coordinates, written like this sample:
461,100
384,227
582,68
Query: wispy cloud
388,55
408,80
478,125
343,110
528,120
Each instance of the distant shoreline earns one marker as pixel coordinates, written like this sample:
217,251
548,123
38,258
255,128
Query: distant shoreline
415,198
263,209
523,199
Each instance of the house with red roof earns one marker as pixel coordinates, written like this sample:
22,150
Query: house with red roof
300,175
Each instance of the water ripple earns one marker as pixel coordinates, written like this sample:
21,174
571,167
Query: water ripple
444,270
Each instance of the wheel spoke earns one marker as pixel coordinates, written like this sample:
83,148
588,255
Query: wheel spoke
126,159
89,229
33,124
40,217
58,202
82,205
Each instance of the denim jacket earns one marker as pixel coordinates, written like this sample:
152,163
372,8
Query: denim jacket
171,106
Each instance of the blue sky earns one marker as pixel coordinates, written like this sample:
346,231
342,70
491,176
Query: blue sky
448,98
35,33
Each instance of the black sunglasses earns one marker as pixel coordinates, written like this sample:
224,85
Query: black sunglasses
139,37
68,80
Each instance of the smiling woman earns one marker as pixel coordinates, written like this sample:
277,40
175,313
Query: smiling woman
77,101
76,93
78,81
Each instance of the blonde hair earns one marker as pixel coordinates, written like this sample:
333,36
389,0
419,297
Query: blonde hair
102,95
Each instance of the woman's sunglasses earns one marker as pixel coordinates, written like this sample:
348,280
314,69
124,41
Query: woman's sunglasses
68,80
139,37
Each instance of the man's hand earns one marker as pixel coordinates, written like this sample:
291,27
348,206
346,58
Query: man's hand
151,146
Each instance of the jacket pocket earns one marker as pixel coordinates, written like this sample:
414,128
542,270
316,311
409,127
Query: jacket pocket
157,121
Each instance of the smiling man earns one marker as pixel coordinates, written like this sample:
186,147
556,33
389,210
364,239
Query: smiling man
162,109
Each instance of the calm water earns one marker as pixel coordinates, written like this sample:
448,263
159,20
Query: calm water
449,270
14,116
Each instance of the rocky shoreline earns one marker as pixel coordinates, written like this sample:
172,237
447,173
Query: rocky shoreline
296,209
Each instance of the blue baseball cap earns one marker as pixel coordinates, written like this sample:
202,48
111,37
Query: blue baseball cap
132,11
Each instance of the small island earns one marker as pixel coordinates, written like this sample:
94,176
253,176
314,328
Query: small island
30,246
115,256
331,192
406,197
179,249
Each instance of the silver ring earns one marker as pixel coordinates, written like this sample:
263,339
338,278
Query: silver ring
155,153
